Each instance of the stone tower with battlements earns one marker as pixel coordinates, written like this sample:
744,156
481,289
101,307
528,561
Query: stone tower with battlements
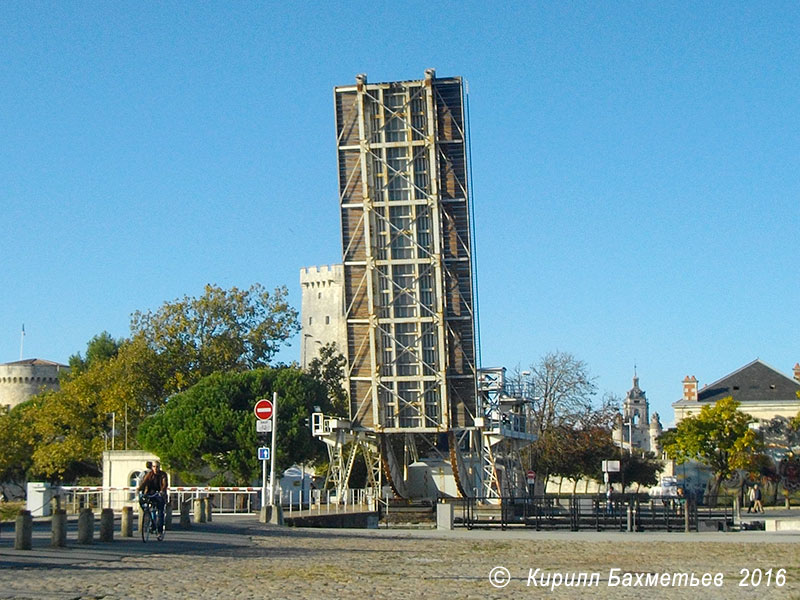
23,379
321,310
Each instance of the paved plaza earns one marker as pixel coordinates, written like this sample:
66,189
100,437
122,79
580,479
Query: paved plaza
237,557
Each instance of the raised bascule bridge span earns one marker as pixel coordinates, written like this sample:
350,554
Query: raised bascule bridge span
427,420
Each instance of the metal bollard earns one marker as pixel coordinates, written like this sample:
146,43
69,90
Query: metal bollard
126,523
24,531
168,516
199,511
107,525
185,522
86,526
630,518
58,533
686,517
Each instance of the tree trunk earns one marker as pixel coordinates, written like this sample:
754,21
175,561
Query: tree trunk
713,491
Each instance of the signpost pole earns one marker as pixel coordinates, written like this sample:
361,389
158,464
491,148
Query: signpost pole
272,455
263,483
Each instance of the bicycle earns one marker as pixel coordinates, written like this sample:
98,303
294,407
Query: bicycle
150,517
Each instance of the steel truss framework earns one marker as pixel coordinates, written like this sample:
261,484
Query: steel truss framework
407,254
485,459
408,290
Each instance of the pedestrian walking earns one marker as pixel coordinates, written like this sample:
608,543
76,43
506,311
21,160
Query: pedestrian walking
751,497
757,506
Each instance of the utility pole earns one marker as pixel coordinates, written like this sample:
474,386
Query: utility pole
272,456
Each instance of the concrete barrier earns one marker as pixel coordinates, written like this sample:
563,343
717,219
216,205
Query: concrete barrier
107,525
126,523
185,521
272,514
363,520
86,526
711,525
444,516
140,522
24,531
781,524
58,528
276,518
199,510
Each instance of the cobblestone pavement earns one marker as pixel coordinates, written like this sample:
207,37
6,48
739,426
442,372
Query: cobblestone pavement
237,557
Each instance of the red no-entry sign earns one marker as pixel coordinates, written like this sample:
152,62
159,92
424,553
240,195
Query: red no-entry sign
263,409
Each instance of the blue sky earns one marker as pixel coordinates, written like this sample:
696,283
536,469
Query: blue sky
635,168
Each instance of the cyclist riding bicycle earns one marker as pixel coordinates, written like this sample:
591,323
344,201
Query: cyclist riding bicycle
154,487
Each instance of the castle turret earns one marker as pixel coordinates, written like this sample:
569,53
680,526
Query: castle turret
23,379
322,311
616,433
655,432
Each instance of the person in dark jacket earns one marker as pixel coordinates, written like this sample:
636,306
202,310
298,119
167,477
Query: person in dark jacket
757,506
155,485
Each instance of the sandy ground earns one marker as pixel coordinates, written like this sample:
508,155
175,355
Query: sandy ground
240,558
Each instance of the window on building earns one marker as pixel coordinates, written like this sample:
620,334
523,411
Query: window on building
134,479
327,320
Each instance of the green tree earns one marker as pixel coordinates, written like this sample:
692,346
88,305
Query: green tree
328,369
207,433
72,426
18,443
794,423
781,435
168,351
640,468
591,447
719,437
100,348
572,452
223,330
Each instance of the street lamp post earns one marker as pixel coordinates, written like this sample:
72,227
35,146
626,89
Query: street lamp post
629,423
113,428
305,348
